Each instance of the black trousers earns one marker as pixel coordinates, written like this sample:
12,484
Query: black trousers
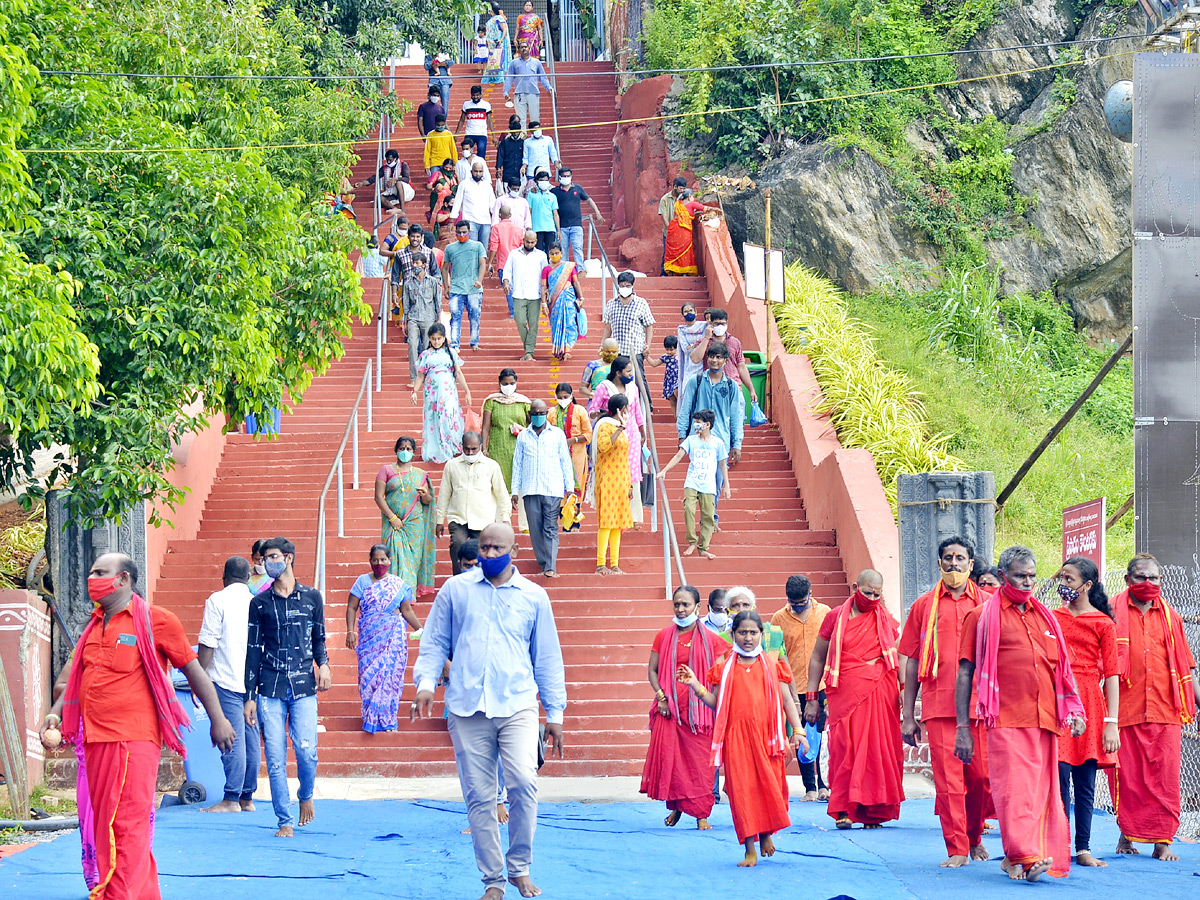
1084,778
811,772
459,535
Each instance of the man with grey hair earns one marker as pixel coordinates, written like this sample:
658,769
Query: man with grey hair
472,496
1013,640
855,652
522,277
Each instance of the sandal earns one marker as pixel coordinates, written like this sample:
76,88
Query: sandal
843,823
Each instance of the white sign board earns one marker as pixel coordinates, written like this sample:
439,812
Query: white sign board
757,261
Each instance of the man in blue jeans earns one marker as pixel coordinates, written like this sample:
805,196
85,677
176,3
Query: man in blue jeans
286,664
462,276
222,654
570,198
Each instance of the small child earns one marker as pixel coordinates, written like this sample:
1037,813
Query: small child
670,359
481,47
708,453
748,735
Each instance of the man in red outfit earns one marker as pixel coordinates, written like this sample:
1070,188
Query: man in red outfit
856,652
124,711
1158,695
930,645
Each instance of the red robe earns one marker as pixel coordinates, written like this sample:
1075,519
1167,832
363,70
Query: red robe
866,754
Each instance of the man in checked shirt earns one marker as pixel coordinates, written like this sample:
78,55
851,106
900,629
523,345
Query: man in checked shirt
286,639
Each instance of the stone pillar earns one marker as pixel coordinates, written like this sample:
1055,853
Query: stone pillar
25,648
937,505
70,552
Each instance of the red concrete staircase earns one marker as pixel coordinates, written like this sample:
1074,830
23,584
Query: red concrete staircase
267,488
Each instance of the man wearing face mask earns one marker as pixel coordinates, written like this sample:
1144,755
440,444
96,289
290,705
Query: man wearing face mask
471,496
477,115
510,154
571,198
714,389
543,212
800,621
717,619
462,277
542,477
466,156
538,154
118,695
1159,693
627,318
286,665
528,77
522,278
717,332
1012,648
518,206
439,146
473,202
597,370
498,628
855,653
931,630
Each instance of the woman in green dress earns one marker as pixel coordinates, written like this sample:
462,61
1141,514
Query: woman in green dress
404,495
505,415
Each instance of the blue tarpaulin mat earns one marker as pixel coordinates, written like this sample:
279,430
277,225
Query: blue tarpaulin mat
414,849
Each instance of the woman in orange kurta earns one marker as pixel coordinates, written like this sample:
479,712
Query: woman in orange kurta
1091,636
679,765
573,419
751,698
862,692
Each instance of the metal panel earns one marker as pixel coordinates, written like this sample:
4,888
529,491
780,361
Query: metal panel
1166,307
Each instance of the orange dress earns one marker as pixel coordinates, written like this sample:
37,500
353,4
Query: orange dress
1092,646
754,780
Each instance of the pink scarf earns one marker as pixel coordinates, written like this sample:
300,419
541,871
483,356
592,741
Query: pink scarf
885,627
171,717
987,654
777,742
698,717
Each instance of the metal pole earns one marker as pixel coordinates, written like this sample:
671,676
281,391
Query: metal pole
666,550
591,231
341,480
319,577
370,411
355,451
770,312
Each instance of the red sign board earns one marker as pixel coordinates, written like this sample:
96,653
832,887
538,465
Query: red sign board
1083,532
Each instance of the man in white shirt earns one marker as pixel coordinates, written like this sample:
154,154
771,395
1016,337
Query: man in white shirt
522,277
477,114
223,655
467,158
472,496
474,201
517,205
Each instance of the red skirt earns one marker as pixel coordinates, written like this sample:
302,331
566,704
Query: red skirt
866,755
1148,795
1075,751
679,768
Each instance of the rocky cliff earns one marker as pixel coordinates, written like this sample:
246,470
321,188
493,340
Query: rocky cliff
838,211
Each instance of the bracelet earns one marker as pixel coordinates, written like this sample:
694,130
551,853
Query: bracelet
57,720
660,696
811,695
1112,721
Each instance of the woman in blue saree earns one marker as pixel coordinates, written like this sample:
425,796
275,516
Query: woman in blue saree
560,281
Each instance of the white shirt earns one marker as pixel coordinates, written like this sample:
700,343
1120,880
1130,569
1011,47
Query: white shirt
463,167
226,614
476,114
523,270
517,205
474,200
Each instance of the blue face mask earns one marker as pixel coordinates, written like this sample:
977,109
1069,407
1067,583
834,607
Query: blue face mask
684,623
494,565
689,317
1069,595
718,619
276,567
537,420
626,379
404,455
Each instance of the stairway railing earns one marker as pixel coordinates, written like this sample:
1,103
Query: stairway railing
549,54
670,538
337,468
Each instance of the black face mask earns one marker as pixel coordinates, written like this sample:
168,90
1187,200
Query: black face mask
800,605
477,177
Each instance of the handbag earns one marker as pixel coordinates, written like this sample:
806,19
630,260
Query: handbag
757,416
471,420
581,321
814,745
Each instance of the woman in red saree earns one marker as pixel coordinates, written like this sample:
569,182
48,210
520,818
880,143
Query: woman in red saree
679,765
752,699
680,258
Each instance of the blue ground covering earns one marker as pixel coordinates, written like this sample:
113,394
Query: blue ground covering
398,849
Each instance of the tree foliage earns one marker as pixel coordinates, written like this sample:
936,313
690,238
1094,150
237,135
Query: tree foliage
154,290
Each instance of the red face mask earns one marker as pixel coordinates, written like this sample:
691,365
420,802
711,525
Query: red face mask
99,588
380,569
863,602
1145,591
1015,594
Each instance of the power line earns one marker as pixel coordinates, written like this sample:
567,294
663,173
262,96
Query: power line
797,64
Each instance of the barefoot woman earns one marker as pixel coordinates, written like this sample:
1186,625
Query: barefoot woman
679,765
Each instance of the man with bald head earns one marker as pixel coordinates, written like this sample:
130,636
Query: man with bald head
522,277
542,477
855,652
498,628
119,702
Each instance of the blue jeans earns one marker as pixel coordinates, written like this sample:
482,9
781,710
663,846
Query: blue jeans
720,487
443,86
474,306
278,718
480,143
572,238
241,763
481,231
508,297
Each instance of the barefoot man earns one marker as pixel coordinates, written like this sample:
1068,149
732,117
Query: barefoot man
929,645
119,697
1158,695
1026,695
286,664
497,627
856,652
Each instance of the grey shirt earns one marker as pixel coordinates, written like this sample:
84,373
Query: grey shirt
422,299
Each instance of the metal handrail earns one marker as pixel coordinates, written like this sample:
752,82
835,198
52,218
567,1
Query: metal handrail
554,92
337,468
670,538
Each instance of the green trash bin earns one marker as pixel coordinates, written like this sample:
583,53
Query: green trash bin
756,363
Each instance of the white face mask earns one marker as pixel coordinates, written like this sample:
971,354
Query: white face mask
466,154
473,457
260,569
625,290
513,191
537,132
564,402
564,180
543,185
684,623
719,330
718,619
748,654
508,389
